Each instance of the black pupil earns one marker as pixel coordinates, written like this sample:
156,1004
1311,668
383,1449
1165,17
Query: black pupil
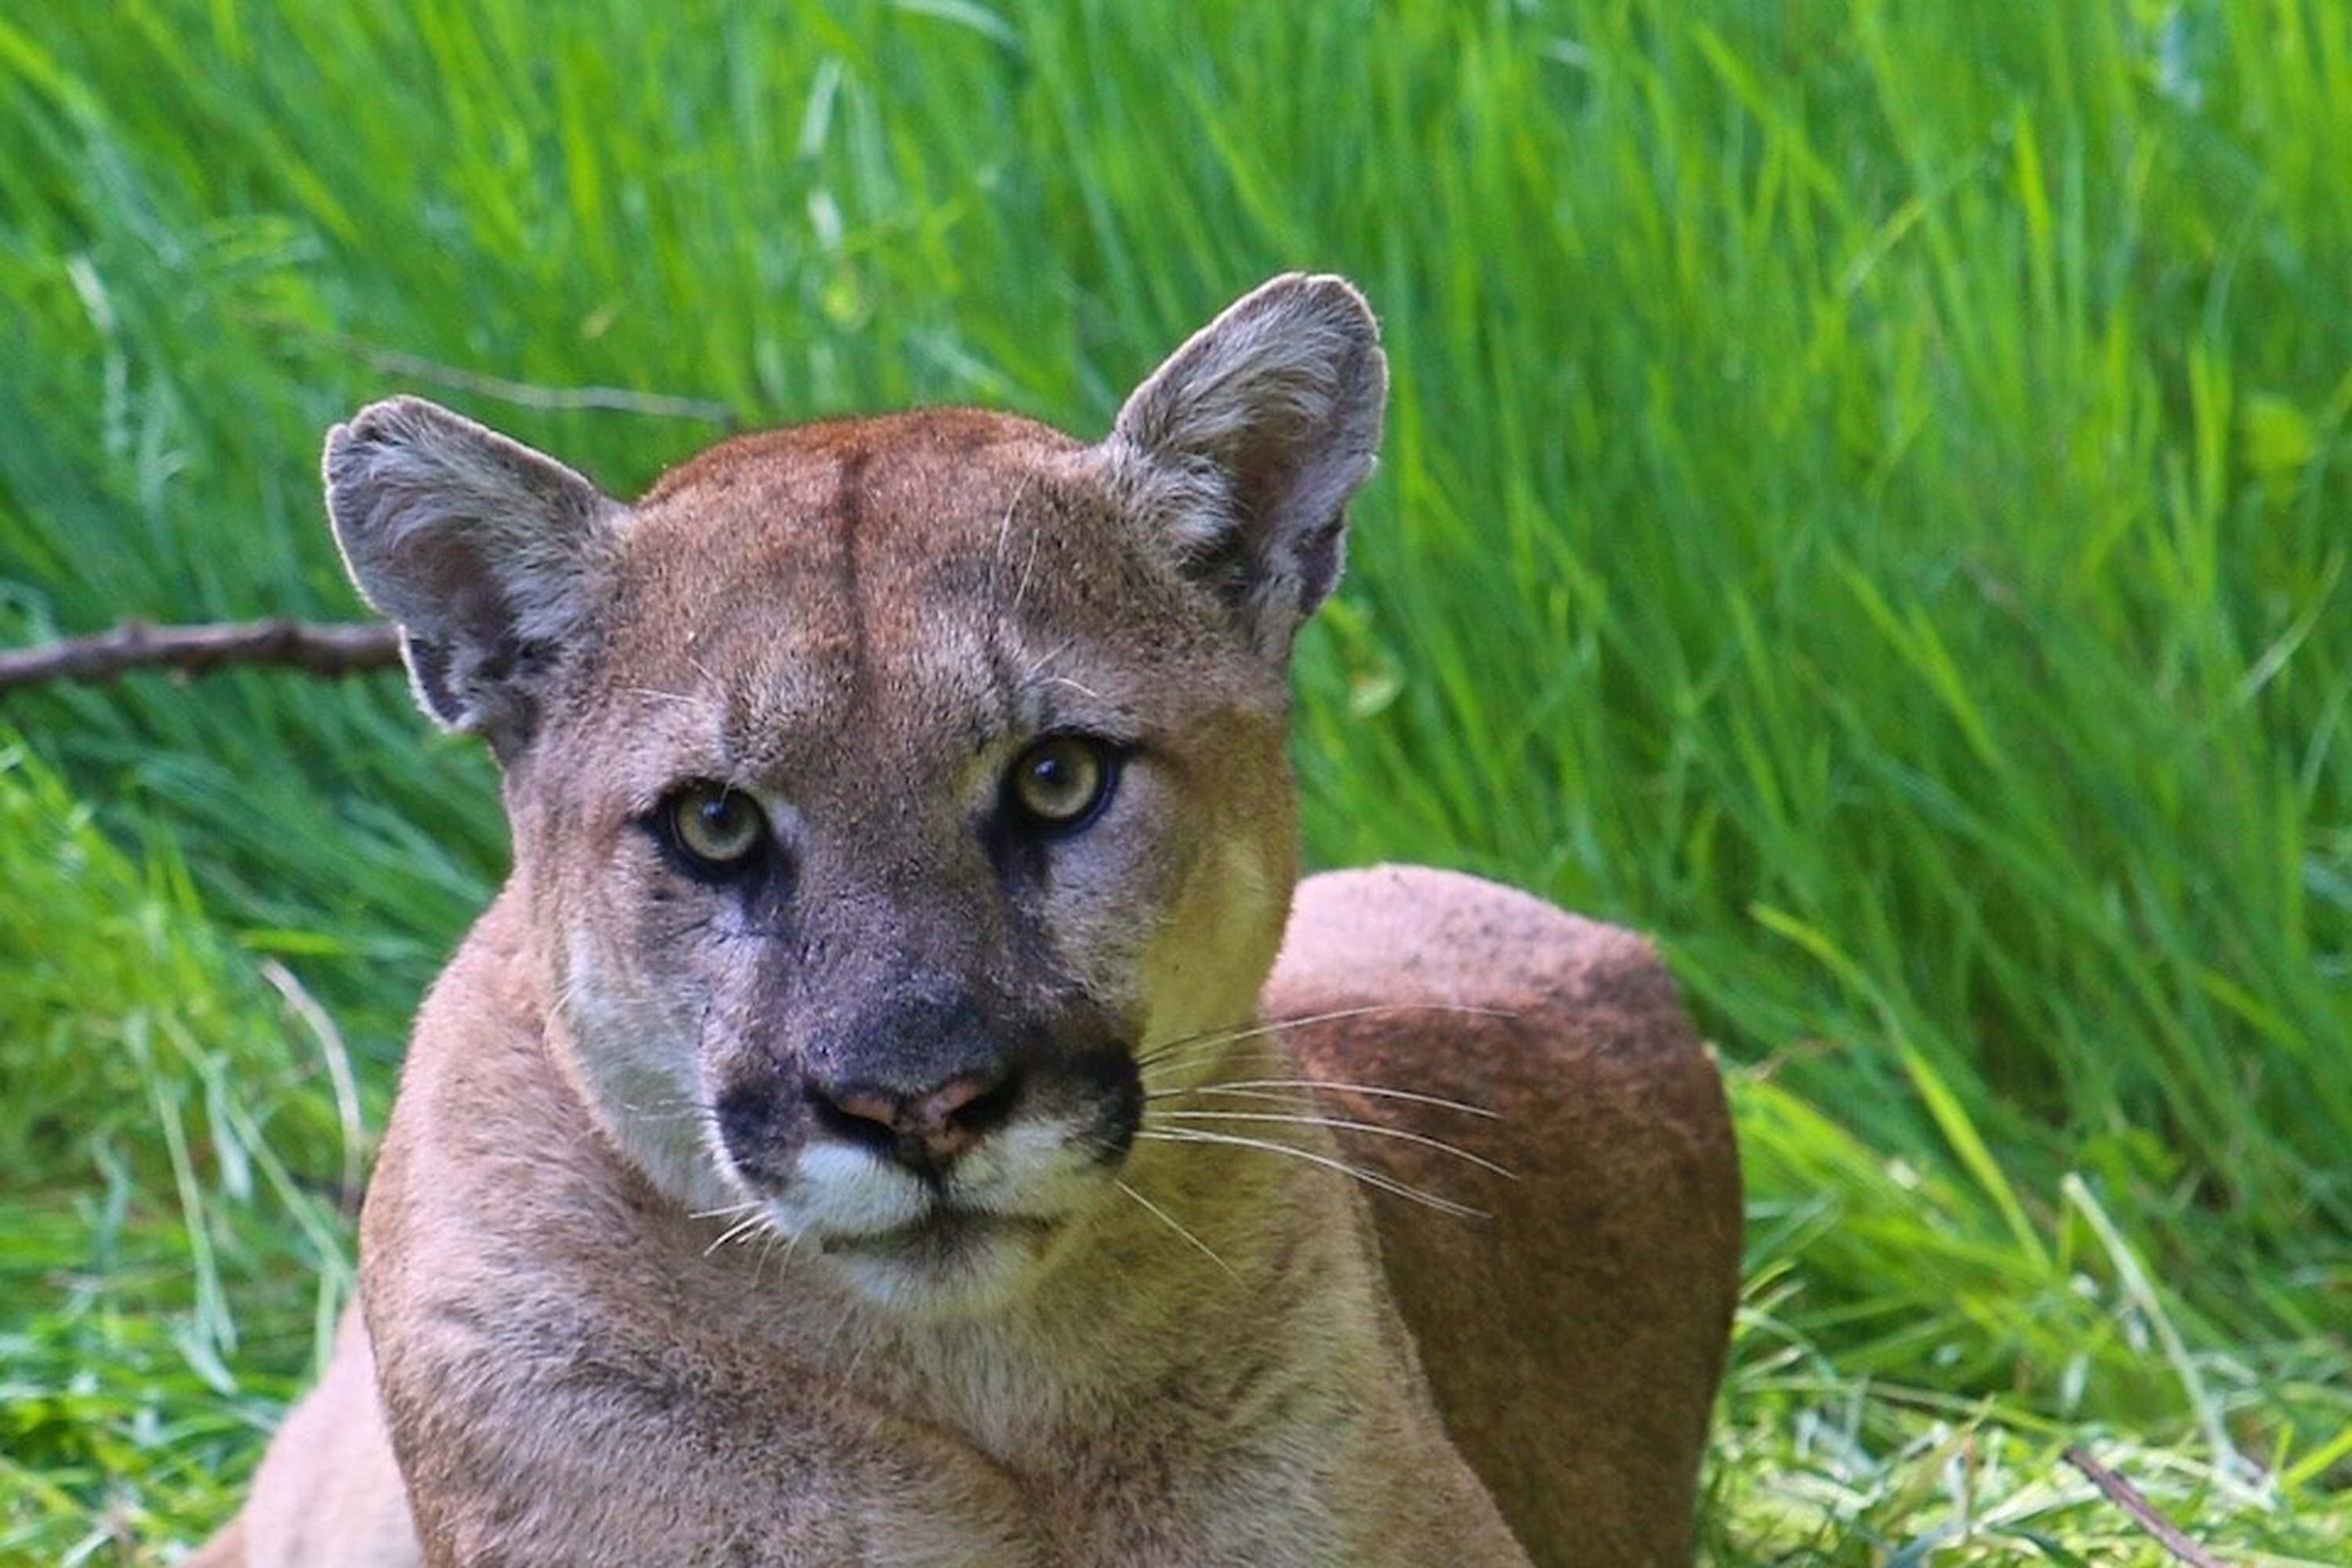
1060,781
723,827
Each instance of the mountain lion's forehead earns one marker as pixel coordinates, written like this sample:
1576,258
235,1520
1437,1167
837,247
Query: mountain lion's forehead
861,535
861,515
932,462
964,576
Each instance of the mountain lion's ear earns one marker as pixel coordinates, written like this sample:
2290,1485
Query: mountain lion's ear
1250,441
487,555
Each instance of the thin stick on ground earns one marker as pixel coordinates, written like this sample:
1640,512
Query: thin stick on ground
2127,1497
310,647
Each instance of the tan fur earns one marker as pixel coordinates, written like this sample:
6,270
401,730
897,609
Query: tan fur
644,1280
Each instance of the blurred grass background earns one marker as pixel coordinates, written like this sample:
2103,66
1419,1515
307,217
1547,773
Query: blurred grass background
1868,499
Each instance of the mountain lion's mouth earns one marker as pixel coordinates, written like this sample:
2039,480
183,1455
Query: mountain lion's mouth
950,1261
943,1231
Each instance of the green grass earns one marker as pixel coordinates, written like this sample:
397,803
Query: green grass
1866,499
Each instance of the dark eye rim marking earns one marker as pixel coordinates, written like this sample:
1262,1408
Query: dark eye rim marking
1104,756
669,825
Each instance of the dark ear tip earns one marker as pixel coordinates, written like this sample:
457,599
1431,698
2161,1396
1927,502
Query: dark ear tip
392,420
386,425
1332,299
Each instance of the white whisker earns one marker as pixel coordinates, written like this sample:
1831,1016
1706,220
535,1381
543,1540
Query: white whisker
1171,1074
1183,1050
1355,1173
741,1227
1342,1125
1269,1088
1338,1014
1164,1217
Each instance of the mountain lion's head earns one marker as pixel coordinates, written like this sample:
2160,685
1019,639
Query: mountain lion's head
890,794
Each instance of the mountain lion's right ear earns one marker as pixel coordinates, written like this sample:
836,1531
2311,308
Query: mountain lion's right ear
487,555
1249,441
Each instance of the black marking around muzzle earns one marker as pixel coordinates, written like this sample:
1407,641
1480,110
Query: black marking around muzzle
928,1073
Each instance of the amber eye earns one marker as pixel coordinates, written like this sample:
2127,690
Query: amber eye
1062,780
716,828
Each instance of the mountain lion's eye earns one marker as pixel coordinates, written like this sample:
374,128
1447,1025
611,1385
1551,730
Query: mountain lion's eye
1062,782
716,828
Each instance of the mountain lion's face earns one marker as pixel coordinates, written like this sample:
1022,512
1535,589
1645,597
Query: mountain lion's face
903,805
886,793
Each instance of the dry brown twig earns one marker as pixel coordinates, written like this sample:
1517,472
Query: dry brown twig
2128,1497
308,647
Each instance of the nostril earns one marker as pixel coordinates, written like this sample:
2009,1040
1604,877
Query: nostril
865,1106
951,1097
855,1115
957,1115
971,1105
918,1130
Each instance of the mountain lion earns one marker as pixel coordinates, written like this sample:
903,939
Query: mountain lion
864,1131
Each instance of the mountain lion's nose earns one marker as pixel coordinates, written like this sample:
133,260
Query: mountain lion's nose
926,1130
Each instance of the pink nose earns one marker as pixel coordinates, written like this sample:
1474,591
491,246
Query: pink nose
932,1128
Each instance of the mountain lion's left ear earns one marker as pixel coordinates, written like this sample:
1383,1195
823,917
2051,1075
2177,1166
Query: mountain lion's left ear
1251,439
